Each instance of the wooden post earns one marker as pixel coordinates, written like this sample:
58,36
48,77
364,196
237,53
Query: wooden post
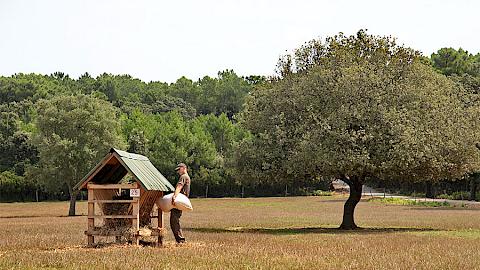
91,217
160,227
136,219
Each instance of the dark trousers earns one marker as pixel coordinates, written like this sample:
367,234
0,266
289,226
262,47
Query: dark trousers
175,215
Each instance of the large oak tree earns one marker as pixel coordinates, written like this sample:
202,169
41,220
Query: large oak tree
354,107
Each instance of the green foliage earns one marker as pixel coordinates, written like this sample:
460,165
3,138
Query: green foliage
225,94
225,133
318,192
457,195
322,193
73,134
450,61
169,139
159,120
154,102
16,147
14,187
22,87
400,201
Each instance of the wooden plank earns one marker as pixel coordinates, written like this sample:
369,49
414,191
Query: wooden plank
154,232
104,233
112,186
111,201
114,216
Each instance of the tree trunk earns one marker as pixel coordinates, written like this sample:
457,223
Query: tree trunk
73,202
429,190
355,184
473,187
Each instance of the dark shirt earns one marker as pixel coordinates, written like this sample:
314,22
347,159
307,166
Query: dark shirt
184,180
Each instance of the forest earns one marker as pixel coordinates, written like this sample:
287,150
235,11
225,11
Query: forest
244,135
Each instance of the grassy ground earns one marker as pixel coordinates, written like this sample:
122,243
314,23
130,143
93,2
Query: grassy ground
257,233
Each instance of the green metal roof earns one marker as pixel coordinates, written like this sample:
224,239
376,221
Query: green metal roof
139,166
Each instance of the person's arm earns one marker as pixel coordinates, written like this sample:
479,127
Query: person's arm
177,190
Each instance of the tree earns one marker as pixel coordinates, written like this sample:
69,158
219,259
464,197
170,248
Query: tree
185,89
225,94
358,107
74,133
450,61
232,91
170,139
463,68
222,130
15,144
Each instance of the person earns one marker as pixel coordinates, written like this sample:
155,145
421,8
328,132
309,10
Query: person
183,186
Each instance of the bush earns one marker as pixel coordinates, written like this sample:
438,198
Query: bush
461,195
458,195
322,193
445,197
15,187
400,201
417,195
309,192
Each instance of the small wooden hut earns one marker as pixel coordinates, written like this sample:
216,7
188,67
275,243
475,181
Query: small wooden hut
122,191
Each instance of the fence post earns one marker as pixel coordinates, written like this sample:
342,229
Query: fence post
136,220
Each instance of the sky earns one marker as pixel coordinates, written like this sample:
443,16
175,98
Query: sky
164,40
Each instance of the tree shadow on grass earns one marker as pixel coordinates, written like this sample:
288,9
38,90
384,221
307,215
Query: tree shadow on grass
309,230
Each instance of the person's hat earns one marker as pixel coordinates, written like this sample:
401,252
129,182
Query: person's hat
180,165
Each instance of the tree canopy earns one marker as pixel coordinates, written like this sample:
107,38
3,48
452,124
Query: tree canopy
73,134
355,107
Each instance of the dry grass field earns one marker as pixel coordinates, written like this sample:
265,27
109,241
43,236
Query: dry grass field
254,233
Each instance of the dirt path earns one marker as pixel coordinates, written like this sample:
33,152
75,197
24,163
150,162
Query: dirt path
372,192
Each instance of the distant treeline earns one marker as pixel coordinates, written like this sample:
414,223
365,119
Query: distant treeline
54,128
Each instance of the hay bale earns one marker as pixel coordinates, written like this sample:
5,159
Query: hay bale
116,209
